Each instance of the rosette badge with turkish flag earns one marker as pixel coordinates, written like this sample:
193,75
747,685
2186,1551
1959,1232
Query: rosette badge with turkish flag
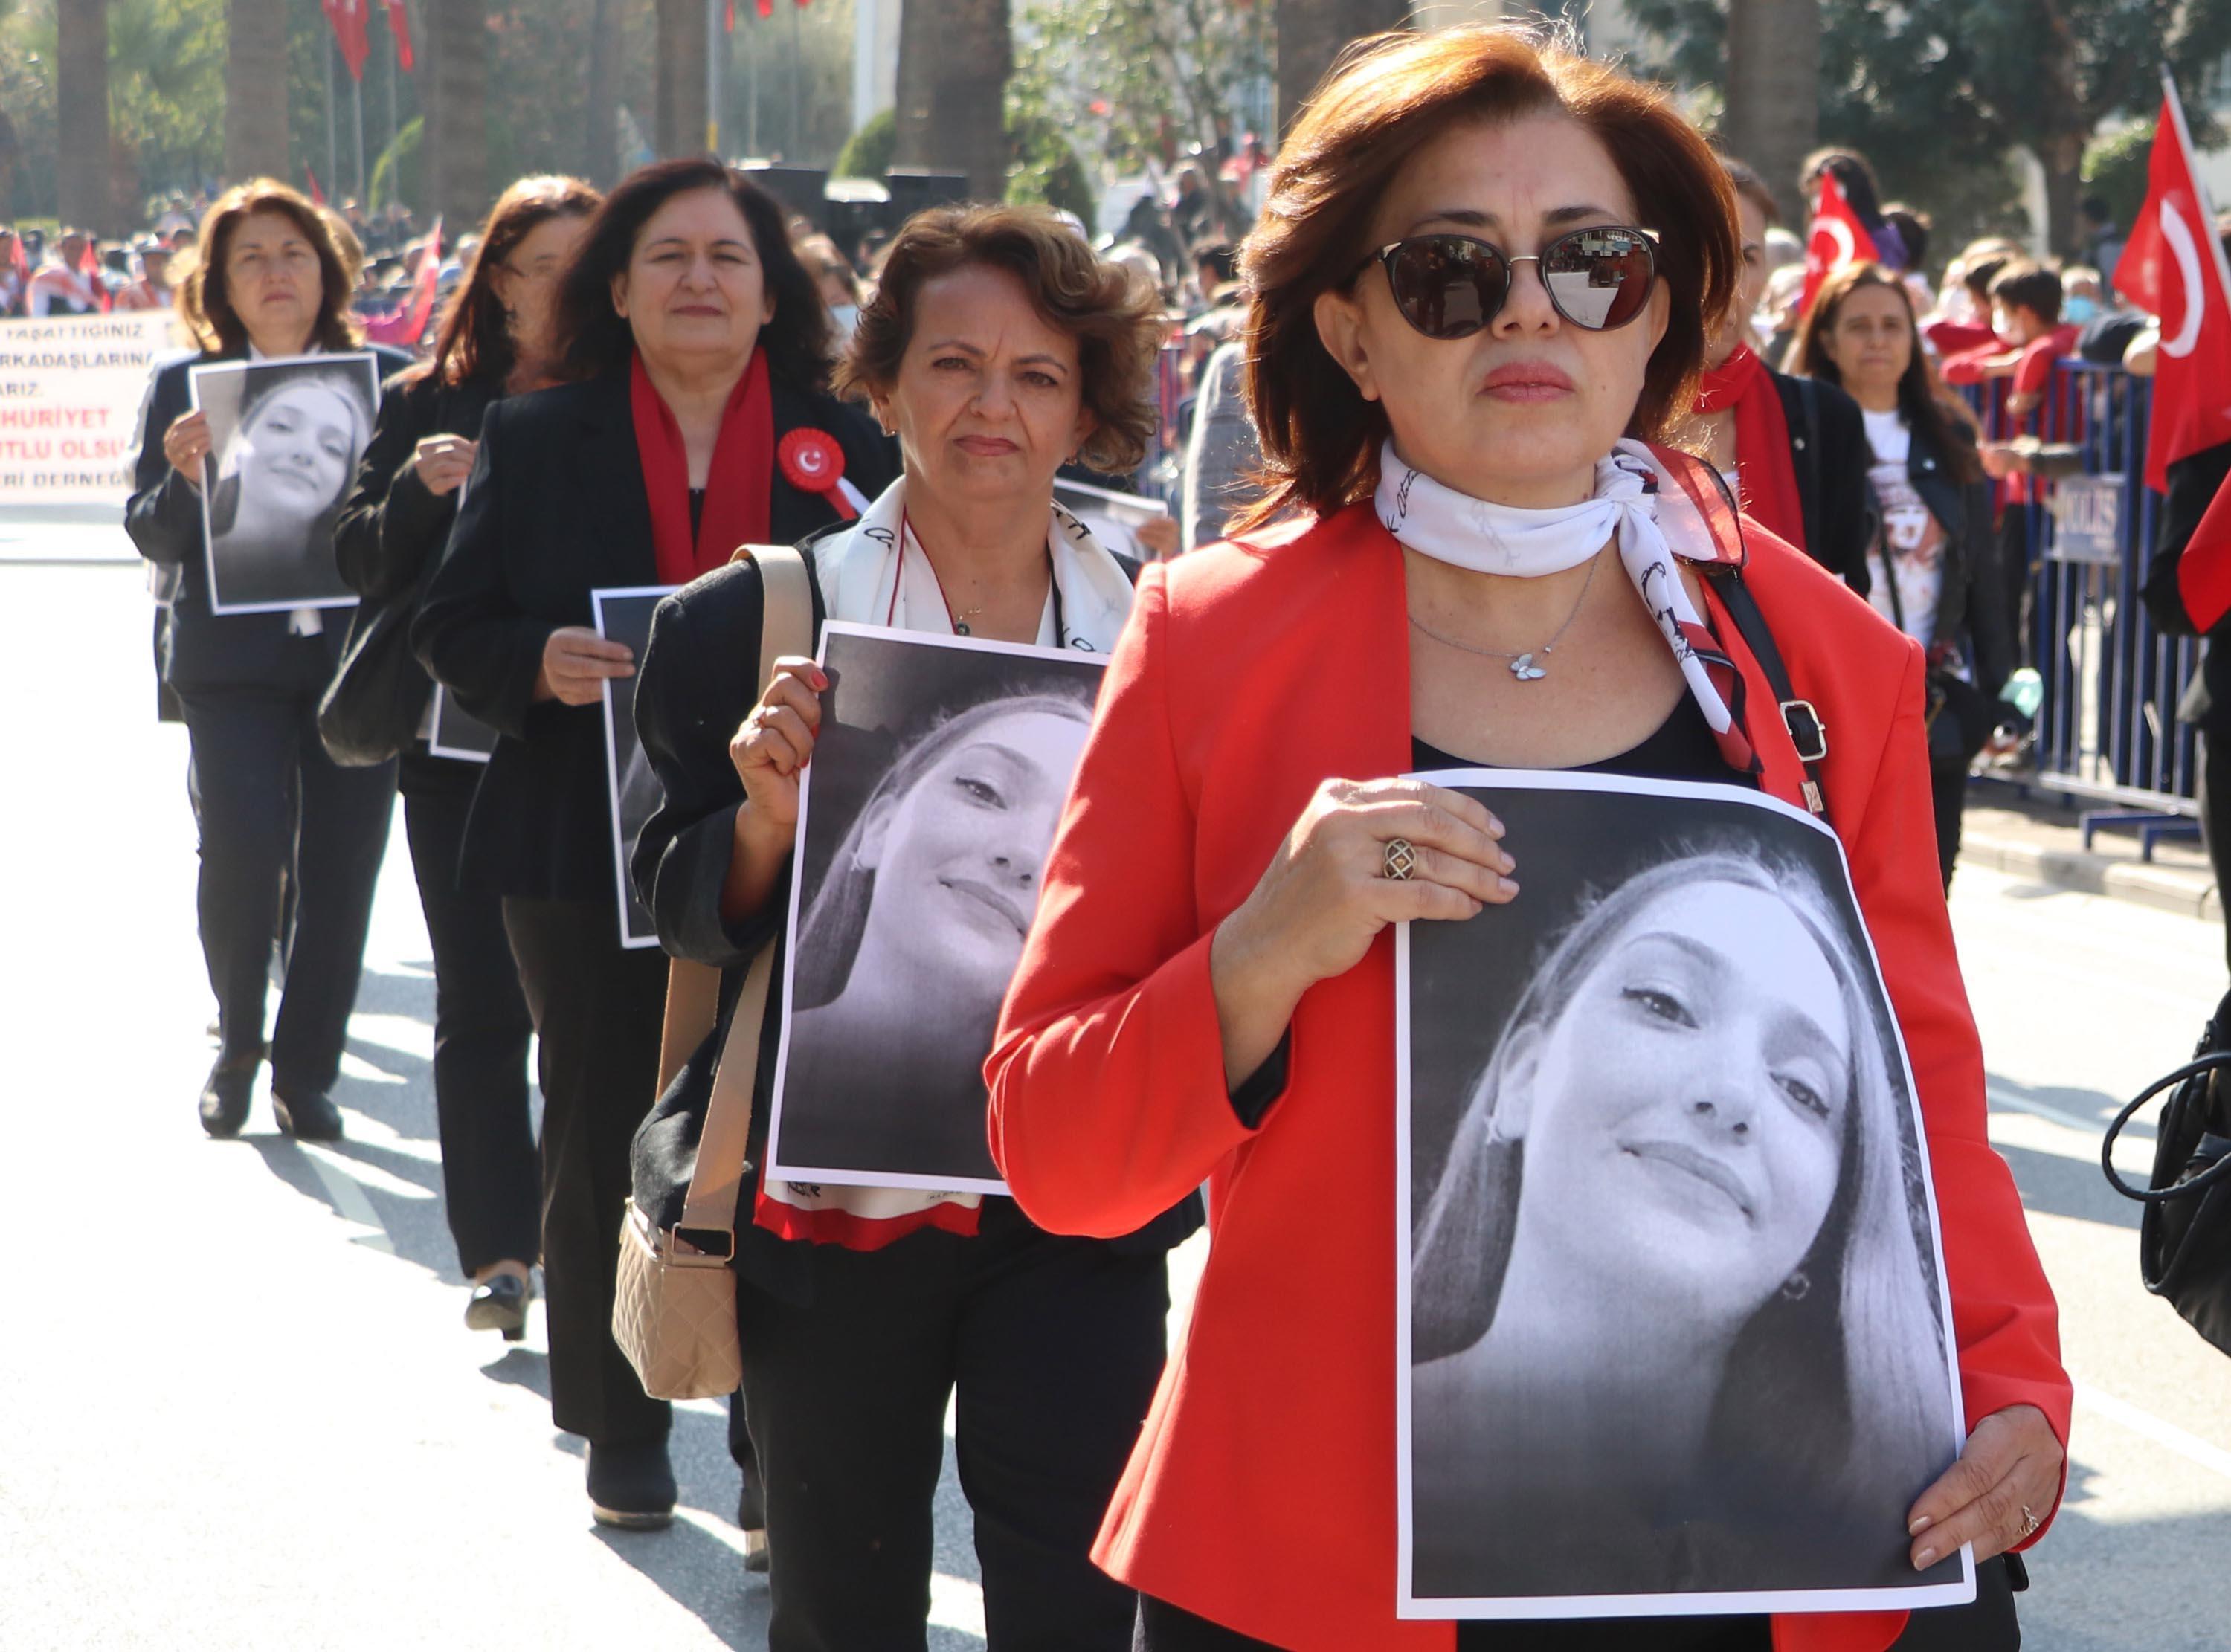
2173,268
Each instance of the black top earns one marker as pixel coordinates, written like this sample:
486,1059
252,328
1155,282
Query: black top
1681,748
2194,481
203,650
555,509
698,680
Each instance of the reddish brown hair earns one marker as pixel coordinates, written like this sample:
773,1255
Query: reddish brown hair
206,307
475,334
1386,99
1116,319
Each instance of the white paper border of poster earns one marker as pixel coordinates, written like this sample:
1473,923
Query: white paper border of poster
777,1168
439,713
1443,1607
597,600
240,368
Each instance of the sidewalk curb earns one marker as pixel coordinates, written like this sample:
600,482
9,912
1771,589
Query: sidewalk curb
2186,894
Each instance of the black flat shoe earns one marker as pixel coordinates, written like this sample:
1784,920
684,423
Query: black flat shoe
224,1096
631,1486
751,1520
499,1303
307,1118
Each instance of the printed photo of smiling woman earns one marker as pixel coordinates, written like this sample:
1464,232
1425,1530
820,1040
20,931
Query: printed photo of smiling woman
285,436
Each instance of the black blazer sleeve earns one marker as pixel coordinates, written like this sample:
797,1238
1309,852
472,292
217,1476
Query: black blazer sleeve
698,678
164,515
1845,513
2194,481
390,527
1990,620
469,633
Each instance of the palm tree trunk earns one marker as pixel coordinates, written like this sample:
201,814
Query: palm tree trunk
680,78
255,88
1313,33
954,58
81,105
1774,92
455,150
599,131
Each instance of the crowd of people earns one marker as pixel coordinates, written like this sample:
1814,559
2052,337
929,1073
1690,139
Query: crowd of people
1497,295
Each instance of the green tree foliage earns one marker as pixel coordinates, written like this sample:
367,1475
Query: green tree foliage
867,153
1935,92
2115,170
1139,80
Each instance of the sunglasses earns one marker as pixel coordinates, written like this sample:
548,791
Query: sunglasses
1450,287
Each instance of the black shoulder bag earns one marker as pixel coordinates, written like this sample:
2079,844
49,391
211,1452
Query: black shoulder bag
2184,1236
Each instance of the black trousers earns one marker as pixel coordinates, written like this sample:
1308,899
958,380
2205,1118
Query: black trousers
597,1007
1054,1345
1948,796
276,813
489,1168
2214,791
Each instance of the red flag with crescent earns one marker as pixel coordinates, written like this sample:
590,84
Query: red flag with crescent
1838,238
2173,268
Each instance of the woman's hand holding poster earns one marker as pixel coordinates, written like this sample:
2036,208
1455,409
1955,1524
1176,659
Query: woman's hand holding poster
938,778
1675,1336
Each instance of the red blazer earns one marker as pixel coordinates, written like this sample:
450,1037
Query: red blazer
1261,1494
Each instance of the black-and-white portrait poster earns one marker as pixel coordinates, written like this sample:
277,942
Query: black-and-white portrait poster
938,778
1676,1337
284,436
624,615
453,731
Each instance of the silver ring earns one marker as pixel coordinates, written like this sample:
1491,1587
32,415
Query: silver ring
1400,859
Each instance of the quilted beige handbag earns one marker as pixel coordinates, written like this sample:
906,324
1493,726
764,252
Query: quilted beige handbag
674,1314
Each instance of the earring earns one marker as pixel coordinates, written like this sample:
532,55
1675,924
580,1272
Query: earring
1797,1287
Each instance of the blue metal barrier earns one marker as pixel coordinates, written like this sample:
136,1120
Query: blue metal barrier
2107,730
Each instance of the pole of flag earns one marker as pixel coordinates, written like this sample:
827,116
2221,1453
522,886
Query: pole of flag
713,14
356,93
797,80
332,146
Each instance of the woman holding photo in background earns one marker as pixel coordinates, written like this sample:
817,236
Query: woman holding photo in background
997,347
1482,284
492,343
270,277
692,344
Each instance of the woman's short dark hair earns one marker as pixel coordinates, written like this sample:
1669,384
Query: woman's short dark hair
1752,188
589,337
1927,411
1386,99
475,339
205,305
1912,228
1116,321
1853,176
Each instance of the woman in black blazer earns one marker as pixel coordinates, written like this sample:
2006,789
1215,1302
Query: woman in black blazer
390,539
271,277
695,419
1934,553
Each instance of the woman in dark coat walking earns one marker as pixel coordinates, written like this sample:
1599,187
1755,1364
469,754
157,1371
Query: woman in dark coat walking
694,418
389,541
291,841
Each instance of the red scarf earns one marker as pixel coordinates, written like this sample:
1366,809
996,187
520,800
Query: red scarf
1766,477
739,489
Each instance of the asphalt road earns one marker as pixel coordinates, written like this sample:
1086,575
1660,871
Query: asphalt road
240,1411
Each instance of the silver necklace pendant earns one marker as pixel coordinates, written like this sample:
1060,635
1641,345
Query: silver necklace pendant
960,628
1525,670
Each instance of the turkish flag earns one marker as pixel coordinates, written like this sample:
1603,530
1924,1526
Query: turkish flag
317,195
1838,238
407,327
351,30
88,265
2173,268
399,24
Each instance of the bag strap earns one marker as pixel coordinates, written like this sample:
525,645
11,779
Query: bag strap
693,991
2214,1176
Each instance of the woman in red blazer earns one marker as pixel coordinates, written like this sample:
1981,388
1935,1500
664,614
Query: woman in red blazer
1208,992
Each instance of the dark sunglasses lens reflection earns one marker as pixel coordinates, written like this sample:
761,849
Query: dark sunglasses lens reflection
1450,287
1598,278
